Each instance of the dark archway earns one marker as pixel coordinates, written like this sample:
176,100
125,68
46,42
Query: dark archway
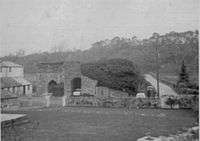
51,86
76,85
56,89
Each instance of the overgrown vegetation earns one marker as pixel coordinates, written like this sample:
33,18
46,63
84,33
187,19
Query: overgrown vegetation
171,102
117,74
184,86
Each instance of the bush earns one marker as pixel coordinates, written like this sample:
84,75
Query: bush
171,101
146,103
119,74
185,102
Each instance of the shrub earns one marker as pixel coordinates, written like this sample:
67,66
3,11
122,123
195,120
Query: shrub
185,102
119,74
171,101
146,103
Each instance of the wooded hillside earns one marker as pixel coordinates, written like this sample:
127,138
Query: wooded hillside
173,49
117,74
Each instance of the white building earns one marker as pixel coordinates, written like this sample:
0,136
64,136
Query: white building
12,79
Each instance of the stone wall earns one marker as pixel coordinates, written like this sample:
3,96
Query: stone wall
88,85
71,70
31,77
44,78
63,72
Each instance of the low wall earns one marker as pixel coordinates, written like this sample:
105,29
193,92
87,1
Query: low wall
127,102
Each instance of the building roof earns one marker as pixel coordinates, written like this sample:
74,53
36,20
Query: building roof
9,64
22,81
7,95
7,82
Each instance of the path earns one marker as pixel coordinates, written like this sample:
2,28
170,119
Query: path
164,89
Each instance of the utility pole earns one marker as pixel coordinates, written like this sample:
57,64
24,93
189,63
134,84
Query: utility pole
156,44
157,69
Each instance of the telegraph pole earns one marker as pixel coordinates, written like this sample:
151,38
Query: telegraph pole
156,43
157,69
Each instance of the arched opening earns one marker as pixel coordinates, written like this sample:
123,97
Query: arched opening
56,89
51,86
76,86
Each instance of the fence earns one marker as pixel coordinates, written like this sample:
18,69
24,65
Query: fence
129,102
91,101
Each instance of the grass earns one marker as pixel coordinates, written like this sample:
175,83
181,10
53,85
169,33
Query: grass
102,124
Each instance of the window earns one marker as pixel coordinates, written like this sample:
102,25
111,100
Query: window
9,69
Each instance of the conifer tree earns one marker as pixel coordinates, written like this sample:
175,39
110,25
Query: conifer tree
183,76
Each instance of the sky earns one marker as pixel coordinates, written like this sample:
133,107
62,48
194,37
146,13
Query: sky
40,25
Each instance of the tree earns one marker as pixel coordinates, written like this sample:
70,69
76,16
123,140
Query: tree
117,74
183,76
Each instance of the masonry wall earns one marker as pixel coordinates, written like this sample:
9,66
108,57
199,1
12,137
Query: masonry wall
71,70
31,77
88,85
44,78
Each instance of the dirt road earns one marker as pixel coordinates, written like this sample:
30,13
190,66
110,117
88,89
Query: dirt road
164,89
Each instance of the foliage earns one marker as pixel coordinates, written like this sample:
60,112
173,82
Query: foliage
147,103
132,102
183,76
117,74
171,101
185,102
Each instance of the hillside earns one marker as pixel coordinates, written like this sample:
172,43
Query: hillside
173,48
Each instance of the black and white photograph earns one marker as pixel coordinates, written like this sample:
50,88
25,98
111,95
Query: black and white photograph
99,70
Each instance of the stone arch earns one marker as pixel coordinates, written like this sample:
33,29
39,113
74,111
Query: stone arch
76,85
57,89
51,86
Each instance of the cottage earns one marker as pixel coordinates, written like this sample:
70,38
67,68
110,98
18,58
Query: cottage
12,79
